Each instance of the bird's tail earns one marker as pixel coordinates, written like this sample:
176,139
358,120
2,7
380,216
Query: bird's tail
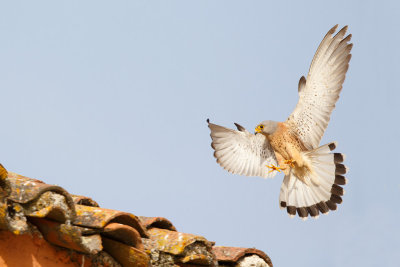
320,189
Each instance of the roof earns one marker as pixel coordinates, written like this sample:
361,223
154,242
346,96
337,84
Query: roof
75,230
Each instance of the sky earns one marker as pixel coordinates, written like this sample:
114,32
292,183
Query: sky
109,99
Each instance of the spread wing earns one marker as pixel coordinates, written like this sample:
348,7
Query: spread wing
319,93
241,152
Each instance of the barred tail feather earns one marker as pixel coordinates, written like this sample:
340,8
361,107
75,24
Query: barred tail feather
322,190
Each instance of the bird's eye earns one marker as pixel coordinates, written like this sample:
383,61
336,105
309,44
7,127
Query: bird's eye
261,126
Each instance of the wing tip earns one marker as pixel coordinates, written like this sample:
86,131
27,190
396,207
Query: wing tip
239,127
302,83
332,146
339,157
347,38
333,29
341,33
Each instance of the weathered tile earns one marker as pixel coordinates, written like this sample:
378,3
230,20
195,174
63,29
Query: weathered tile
184,248
124,234
86,201
68,236
157,222
126,255
232,255
94,217
29,192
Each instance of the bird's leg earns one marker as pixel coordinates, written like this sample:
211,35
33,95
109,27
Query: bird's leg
274,168
280,160
290,162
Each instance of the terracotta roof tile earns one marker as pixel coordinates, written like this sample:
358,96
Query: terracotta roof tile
26,189
77,224
94,217
49,205
123,233
126,255
182,247
5,188
86,201
233,254
40,199
157,222
174,242
68,236
12,218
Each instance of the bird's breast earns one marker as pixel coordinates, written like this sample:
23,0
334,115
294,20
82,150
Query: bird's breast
285,142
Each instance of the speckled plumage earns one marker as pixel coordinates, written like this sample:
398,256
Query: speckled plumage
313,174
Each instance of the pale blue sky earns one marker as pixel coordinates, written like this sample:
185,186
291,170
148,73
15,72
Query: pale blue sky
110,99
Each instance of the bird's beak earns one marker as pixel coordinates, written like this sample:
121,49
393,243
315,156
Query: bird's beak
258,129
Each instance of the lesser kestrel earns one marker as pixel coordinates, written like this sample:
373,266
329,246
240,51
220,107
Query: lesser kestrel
313,174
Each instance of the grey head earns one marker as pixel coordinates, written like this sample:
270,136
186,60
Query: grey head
267,127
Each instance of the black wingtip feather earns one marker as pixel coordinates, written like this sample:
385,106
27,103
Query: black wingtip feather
313,210
332,146
208,120
302,212
331,205
340,169
340,180
336,199
323,207
337,190
338,157
291,210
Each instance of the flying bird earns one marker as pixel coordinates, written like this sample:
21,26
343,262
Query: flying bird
313,173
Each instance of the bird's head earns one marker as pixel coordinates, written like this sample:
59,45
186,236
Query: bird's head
266,127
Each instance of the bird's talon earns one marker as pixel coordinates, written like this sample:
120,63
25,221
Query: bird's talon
273,168
290,162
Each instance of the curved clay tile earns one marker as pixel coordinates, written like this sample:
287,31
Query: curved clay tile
157,222
5,189
98,218
176,247
124,234
126,255
68,236
25,190
86,201
233,254
49,205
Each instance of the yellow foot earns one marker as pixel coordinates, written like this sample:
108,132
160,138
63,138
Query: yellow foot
290,162
273,168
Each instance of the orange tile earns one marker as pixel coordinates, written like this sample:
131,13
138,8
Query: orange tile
123,233
157,222
86,201
126,255
95,217
68,236
234,254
